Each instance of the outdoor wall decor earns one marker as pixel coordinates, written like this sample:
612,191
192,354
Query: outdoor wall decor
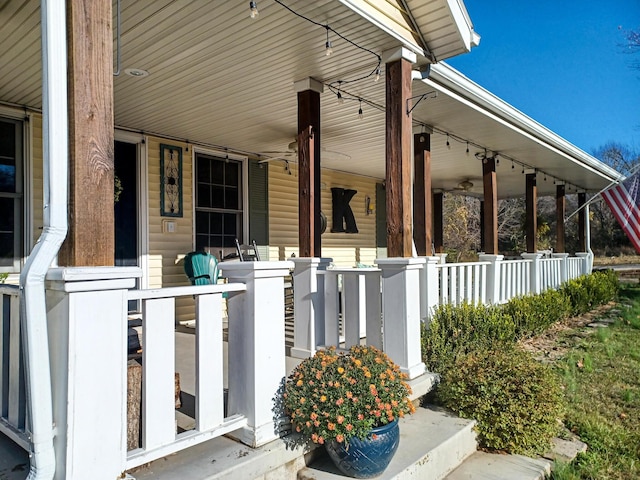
170,181
342,213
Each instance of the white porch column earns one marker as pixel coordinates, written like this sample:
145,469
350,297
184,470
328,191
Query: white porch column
308,305
401,312
256,346
87,316
535,270
564,265
430,286
493,276
585,269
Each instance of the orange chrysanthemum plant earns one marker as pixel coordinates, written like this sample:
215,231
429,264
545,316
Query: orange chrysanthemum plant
344,395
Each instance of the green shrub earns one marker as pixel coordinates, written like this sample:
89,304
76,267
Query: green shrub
589,291
516,401
455,330
532,314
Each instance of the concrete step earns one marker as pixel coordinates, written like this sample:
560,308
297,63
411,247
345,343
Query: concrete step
492,466
432,444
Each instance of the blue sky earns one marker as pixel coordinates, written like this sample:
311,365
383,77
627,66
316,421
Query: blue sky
561,63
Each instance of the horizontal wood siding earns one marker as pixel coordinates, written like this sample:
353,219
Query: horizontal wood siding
346,249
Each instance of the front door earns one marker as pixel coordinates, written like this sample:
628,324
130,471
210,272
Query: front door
126,207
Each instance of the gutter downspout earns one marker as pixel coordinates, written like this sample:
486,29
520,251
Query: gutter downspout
587,236
33,306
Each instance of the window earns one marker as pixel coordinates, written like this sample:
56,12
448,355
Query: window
219,203
10,195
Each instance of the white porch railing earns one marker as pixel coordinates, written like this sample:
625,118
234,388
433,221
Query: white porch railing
551,272
159,437
462,282
13,419
515,279
574,267
87,313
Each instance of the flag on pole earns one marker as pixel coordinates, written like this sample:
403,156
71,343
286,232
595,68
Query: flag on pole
623,200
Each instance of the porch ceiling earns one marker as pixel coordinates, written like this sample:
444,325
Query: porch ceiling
218,77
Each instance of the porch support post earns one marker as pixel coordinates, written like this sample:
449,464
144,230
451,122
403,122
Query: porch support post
493,276
535,270
422,203
90,241
560,214
398,152
401,312
582,244
482,224
308,305
490,225
531,202
309,91
438,229
256,346
87,318
429,288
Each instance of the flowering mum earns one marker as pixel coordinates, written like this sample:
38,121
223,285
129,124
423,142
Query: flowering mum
352,393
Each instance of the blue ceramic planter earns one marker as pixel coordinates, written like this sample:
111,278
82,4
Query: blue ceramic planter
369,457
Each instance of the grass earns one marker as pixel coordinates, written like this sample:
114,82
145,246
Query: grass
601,375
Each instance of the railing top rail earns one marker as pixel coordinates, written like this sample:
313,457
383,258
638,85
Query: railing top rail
551,260
339,270
7,289
460,264
524,260
184,291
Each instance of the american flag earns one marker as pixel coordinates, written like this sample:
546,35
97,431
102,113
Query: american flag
623,200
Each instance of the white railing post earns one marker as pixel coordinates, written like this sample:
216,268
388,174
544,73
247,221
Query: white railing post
535,270
87,317
493,276
429,287
564,266
585,267
256,346
442,257
308,298
401,312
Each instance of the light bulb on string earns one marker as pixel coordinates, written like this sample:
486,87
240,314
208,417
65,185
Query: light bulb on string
360,114
253,8
467,149
497,159
340,99
512,165
377,77
328,49
448,144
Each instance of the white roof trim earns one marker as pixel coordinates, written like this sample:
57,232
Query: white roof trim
463,22
454,83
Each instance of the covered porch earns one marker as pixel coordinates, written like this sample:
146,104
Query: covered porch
198,86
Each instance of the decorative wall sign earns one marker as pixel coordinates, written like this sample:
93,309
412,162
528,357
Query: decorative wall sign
342,213
170,181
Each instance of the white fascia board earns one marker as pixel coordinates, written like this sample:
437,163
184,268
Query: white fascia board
452,82
463,23
367,12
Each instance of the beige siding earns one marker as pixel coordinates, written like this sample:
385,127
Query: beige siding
346,249
166,249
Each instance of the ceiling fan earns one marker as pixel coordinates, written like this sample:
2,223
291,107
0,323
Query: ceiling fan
291,154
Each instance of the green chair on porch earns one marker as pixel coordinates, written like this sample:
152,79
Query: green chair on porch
201,268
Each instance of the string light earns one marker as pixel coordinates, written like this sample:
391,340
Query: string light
328,49
377,77
467,152
512,165
253,8
448,144
360,114
497,159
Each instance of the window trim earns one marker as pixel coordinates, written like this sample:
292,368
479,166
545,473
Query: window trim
244,165
23,217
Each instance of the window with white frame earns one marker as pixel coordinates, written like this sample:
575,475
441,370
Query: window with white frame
11,194
219,203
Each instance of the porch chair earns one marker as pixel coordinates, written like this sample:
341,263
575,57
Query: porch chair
248,253
201,268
